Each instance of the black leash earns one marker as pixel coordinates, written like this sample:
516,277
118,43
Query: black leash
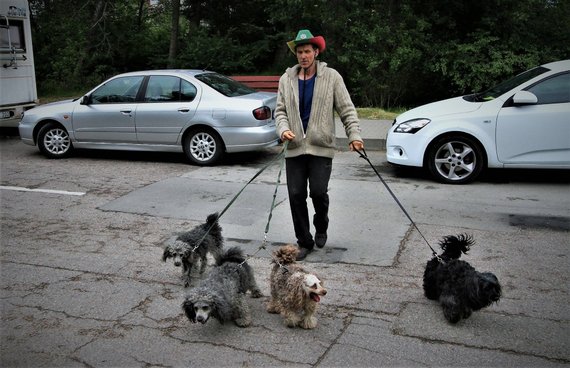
281,156
270,215
365,156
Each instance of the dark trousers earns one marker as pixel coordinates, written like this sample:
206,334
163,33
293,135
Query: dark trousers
317,172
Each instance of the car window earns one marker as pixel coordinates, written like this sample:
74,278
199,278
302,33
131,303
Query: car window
187,91
225,85
119,90
12,36
507,85
552,90
169,89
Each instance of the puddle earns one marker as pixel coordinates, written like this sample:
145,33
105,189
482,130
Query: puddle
556,223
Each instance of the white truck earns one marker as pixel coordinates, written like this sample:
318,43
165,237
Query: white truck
17,75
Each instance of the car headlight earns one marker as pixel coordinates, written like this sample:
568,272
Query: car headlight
411,126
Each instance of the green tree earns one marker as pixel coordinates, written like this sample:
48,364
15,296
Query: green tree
475,45
173,49
391,53
75,52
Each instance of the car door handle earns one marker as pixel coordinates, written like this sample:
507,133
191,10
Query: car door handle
126,112
183,109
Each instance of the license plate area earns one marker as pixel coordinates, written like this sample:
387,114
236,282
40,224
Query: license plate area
6,114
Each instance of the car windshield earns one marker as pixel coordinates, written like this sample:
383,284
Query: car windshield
225,85
507,85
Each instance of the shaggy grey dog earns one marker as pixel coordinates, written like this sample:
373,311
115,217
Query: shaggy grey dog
185,253
221,295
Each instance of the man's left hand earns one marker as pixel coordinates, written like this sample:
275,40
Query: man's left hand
356,145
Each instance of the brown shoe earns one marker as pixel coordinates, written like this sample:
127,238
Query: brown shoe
303,252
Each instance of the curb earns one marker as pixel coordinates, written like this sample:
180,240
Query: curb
369,144
373,133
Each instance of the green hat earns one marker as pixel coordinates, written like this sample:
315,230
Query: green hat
305,36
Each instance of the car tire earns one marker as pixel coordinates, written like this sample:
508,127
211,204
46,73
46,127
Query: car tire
203,146
455,159
54,141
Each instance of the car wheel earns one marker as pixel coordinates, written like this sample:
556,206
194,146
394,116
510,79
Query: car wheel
54,141
455,159
203,146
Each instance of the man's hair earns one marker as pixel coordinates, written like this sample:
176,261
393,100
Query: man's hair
303,44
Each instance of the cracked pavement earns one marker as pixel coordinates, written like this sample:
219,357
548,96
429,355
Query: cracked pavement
83,284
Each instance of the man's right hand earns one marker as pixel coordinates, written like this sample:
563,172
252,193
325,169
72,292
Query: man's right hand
287,135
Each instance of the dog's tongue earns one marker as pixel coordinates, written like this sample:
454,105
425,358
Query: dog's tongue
315,297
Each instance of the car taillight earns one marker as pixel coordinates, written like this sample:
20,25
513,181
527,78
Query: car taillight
262,113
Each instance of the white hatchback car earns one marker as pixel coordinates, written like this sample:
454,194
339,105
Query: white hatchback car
523,122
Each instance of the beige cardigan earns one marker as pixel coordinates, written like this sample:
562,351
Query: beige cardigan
330,94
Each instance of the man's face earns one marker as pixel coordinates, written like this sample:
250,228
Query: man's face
306,54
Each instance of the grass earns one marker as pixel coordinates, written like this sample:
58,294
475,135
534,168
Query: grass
53,97
374,113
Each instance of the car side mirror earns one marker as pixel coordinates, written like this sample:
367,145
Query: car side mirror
524,98
85,100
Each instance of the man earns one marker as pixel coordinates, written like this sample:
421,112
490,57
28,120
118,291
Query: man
309,93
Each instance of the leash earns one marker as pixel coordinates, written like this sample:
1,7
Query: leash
365,156
281,156
270,215
264,244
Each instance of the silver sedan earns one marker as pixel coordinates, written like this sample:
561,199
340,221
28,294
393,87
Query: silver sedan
201,113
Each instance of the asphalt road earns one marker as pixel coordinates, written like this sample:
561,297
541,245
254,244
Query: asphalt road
83,284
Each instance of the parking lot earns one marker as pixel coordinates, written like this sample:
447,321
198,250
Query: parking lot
83,283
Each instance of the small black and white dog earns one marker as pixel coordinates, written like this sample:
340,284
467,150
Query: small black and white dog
185,253
221,295
459,288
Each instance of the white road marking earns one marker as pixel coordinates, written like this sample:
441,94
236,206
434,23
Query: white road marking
52,191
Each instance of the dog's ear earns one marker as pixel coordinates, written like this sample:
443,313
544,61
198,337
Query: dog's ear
188,250
166,253
295,296
188,308
220,309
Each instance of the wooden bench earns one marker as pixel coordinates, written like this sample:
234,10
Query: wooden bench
265,83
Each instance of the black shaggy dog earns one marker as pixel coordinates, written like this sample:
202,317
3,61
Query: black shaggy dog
186,249
458,287
221,295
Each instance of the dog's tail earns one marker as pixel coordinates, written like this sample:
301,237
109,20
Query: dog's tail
453,245
215,229
286,254
212,218
233,254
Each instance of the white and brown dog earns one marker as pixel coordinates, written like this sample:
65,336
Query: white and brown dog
295,292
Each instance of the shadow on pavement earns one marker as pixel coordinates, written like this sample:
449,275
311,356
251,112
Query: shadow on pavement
494,176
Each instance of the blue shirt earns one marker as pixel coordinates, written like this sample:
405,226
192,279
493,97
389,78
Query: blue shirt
306,88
